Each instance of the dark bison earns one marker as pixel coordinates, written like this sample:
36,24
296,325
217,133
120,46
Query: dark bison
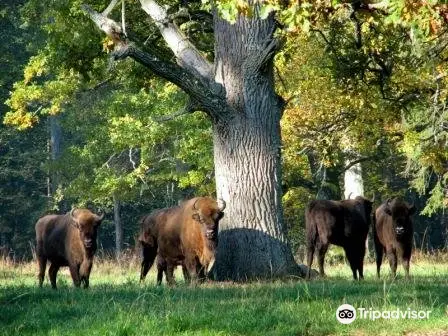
183,235
343,223
393,233
67,240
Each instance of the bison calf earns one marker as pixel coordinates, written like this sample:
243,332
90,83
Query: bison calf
67,240
393,234
343,223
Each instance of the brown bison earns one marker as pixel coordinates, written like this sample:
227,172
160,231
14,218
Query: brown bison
183,235
393,234
343,223
67,240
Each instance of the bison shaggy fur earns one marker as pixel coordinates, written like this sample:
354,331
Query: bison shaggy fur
183,235
393,234
343,223
67,240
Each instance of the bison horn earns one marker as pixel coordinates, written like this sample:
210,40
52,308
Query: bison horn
194,204
223,204
350,195
72,212
100,217
373,198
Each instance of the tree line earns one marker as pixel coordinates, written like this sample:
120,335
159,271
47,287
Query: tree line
102,109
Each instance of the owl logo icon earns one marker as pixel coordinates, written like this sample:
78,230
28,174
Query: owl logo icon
346,314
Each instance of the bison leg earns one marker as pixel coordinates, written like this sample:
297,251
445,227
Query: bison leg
361,254
392,256
74,272
193,266
360,261
187,277
42,261
379,251
84,272
52,272
309,260
170,274
352,258
161,268
149,254
406,261
321,251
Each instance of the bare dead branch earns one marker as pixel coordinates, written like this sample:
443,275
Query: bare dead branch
186,53
131,160
108,26
110,7
123,24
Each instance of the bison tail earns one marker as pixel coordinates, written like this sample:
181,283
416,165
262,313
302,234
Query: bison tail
149,254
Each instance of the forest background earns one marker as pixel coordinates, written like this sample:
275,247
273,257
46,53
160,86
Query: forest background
365,88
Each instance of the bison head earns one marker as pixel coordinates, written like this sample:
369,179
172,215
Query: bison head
207,212
87,224
400,212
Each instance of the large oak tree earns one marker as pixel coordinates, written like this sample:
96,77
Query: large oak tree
237,92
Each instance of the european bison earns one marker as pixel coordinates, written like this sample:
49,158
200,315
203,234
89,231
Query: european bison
183,235
67,240
393,234
343,223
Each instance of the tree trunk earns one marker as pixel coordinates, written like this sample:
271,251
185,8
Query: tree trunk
54,152
252,241
118,228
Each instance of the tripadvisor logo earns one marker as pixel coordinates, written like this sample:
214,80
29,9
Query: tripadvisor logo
346,314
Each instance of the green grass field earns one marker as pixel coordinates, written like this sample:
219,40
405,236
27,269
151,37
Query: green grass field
116,304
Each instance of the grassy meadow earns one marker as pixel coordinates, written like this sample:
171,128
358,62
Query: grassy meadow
116,304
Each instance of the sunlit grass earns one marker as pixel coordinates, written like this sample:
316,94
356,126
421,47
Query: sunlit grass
116,304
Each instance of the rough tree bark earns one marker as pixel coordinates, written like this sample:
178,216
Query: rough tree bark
237,92
252,242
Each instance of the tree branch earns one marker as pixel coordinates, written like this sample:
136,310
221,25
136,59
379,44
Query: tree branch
205,95
186,53
359,160
123,24
108,26
190,107
110,7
